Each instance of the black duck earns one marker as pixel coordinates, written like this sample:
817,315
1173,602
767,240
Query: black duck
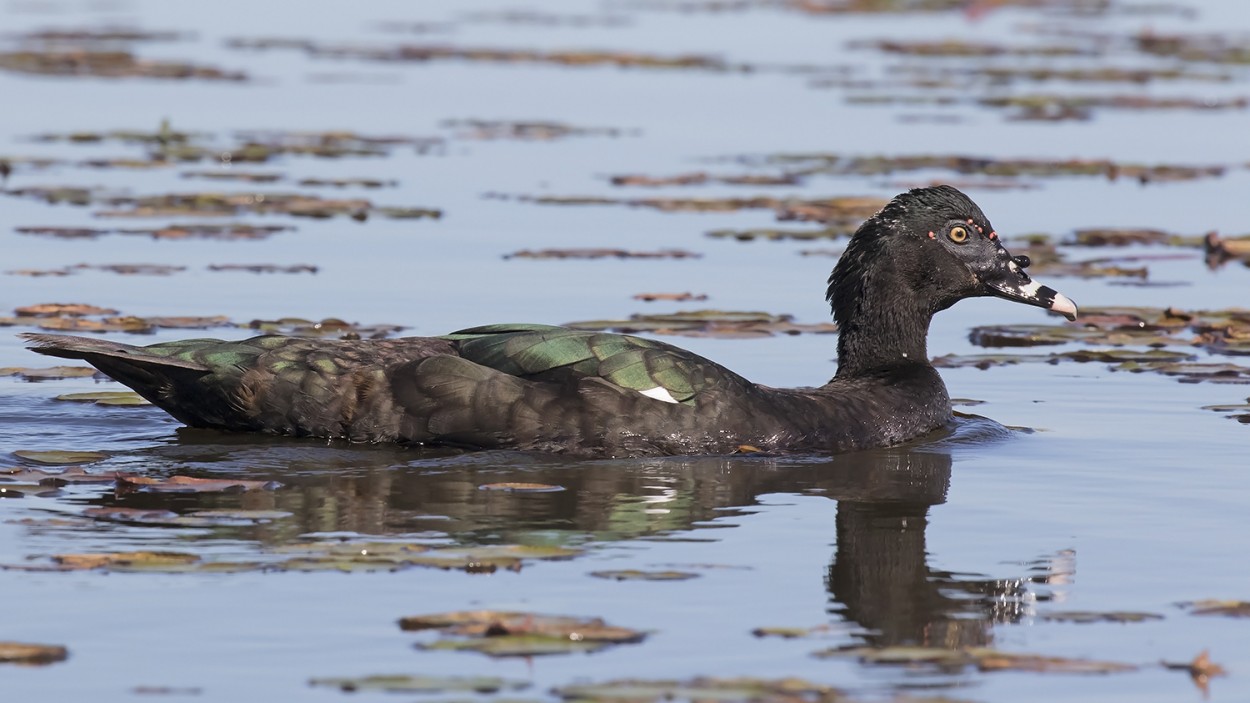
538,387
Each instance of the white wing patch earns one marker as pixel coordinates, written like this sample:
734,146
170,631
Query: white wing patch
659,393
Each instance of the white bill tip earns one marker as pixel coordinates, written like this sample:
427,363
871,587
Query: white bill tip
1064,306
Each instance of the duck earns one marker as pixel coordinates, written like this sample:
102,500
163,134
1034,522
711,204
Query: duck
545,388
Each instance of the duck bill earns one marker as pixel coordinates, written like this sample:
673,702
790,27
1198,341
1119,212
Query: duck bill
1010,282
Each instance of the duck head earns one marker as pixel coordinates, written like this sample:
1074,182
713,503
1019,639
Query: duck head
936,247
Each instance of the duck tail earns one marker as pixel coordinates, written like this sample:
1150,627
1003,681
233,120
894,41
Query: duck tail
96,350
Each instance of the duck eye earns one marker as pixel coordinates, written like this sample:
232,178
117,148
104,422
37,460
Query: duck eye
958,234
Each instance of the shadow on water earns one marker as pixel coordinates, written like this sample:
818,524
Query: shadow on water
879,576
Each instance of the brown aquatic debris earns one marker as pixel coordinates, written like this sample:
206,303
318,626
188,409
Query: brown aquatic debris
31,654
676,297
62,310
601,253
1201,670
190,484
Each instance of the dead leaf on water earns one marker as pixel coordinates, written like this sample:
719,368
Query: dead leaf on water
983,659
641,575
405,683
518,487
735,690
72,475
392,556
1088,617
233,175
708,323
264,268
773,234
1201,670
675,297
601,254
504,633
197,518
347,183
48,373
1227,608
79,562
108,64
57,457
62,310
31,654
115,398
191,484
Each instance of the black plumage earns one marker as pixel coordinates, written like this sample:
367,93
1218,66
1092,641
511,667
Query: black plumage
554,389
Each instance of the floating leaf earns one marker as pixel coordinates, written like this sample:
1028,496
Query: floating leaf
49,373
1201,670
77,562
232,175
63,310
639,575
515,487
739,690
1227,608
264,268
74,475
402,683
198,518
1086,617
191,484
24,653
501,634
708,323
983,658
601,254
347,182
674,297
110,398
59,457
108,64
990,660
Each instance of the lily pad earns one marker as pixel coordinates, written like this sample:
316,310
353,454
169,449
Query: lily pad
35,654
58,457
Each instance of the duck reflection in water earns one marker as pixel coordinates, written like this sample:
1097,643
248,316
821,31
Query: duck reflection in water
879,577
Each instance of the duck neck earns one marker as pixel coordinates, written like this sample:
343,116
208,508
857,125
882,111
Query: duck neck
873,335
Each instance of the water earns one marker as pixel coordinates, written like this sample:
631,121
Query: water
1126,496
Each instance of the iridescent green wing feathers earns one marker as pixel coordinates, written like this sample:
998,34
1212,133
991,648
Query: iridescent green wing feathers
543,352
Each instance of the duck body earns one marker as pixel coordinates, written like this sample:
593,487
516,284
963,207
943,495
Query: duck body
554,389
